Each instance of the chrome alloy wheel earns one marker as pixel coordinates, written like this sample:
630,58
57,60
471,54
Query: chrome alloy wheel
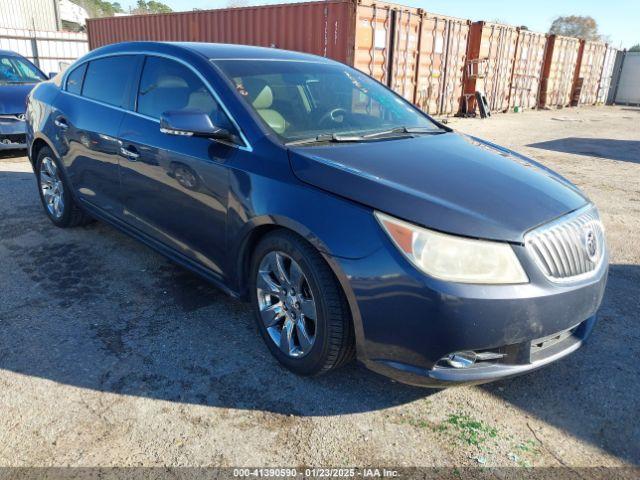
286,304
52,187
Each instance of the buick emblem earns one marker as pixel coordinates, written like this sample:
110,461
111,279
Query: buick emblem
21,116
590,244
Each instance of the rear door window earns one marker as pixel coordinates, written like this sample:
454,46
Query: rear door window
74,80
109,79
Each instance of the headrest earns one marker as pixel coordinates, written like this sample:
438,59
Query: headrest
171,81
260,93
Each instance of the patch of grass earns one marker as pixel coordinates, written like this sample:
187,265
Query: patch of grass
471,431
529,446
418,423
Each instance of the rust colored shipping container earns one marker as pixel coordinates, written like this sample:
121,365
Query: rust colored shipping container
607,74
490,58
320,28
378,38
441,64
386,44
405,51
373,30
527,70
561,58
589,72
421,56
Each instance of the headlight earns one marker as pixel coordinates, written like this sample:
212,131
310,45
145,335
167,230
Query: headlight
453,258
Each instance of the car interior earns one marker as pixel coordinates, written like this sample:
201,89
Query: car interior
296,103
172,88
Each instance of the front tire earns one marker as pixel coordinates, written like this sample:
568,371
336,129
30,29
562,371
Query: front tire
300,309
55,192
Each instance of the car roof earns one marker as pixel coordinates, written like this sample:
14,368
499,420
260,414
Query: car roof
215,51
10,53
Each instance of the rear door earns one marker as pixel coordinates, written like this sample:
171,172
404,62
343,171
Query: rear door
89,112
175,188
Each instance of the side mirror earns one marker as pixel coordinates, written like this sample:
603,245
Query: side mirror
52,74
192,123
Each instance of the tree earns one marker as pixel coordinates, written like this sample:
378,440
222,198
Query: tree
151,6
635,48
585,28
99,8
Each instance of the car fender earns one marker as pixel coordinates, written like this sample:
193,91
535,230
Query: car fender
246,241
40,136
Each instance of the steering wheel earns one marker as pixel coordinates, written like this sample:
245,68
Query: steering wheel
334,115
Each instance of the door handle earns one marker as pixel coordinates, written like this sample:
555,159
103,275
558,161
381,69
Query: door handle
130,153
61,122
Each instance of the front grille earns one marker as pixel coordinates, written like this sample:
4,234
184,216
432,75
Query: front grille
11,139
569,248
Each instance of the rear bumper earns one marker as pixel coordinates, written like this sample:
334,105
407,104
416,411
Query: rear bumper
407,323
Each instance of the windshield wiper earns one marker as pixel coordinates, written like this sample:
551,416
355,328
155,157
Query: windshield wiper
405,131
392,133
328,137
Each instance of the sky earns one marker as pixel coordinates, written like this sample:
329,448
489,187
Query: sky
617,19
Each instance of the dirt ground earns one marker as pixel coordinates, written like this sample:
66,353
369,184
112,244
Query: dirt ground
112,356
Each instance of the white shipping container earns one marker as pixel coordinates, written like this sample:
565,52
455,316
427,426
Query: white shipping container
629,84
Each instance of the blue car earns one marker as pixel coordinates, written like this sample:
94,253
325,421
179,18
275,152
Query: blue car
355,224
17,77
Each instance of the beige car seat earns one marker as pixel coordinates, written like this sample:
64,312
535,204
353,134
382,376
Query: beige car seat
261,97
203,101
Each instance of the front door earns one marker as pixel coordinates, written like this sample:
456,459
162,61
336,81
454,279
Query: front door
175,188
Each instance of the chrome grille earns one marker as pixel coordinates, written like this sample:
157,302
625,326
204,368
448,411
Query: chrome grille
568,248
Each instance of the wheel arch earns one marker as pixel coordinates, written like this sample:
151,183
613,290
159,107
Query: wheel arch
251,234
257,229
39,142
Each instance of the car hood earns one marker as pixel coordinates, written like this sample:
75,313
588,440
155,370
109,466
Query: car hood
449,182
13,98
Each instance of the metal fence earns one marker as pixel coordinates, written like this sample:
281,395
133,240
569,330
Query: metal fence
51,51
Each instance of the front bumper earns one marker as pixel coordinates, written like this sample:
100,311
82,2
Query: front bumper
407,323
483,372
12,134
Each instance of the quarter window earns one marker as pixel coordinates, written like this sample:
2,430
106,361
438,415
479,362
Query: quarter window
108,79
166,85
74,80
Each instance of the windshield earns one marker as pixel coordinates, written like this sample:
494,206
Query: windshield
301,100
16,70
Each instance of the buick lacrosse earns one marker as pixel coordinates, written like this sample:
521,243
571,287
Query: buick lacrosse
355,224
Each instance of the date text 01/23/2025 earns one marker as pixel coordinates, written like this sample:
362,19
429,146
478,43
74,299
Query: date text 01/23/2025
315,472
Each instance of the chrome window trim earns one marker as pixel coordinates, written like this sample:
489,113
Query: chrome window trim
257,59
246,145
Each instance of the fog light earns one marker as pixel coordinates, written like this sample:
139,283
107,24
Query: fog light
462,359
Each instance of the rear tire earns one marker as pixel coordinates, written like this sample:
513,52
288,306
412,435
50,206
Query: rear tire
325,342
55,192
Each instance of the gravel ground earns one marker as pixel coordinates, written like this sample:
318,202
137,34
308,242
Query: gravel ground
112,356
